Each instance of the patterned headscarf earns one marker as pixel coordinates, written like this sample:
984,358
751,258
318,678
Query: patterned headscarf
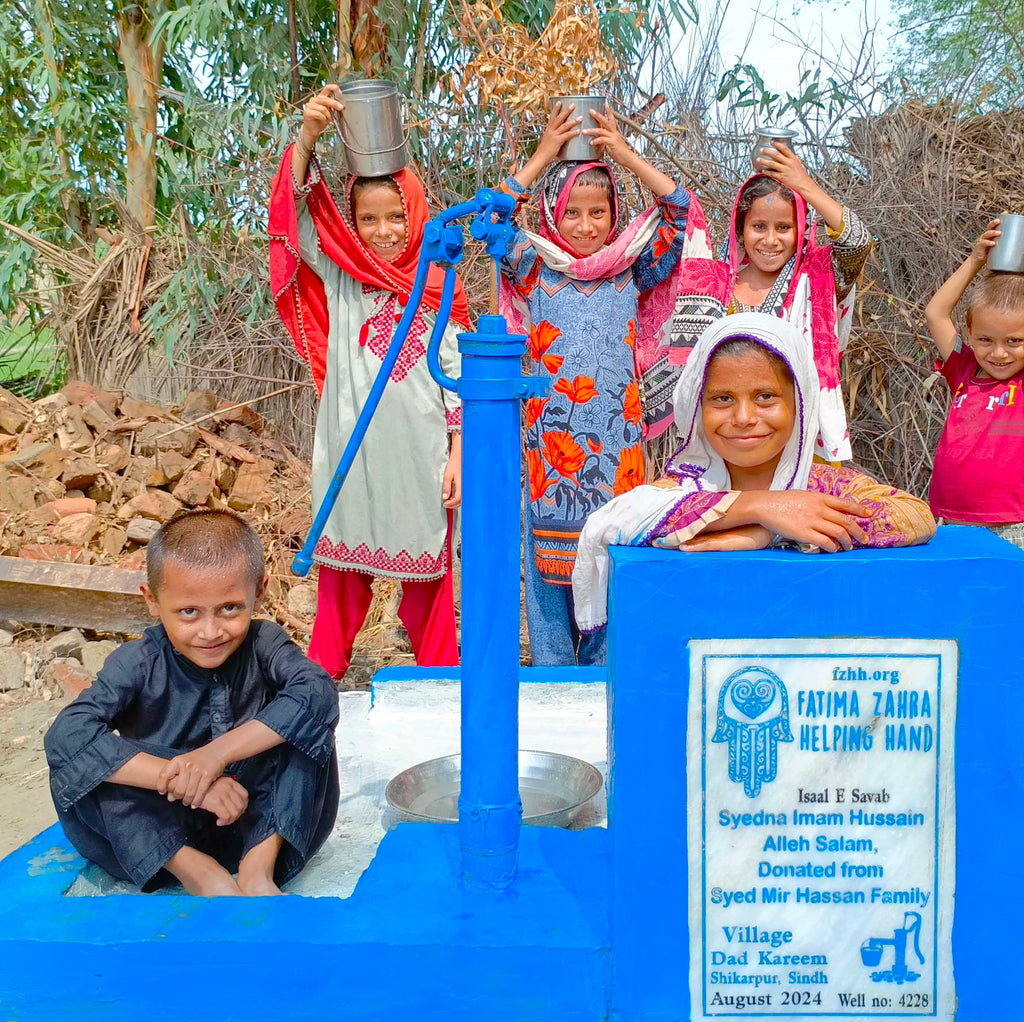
554,199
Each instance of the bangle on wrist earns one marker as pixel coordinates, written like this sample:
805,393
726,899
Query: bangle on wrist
305,151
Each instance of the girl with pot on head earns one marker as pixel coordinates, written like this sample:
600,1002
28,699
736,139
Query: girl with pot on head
341,278
775,262
595,294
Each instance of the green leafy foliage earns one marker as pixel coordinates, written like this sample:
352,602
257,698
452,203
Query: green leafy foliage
971,51
227,98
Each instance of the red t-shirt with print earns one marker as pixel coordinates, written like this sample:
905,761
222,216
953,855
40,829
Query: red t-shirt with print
979,464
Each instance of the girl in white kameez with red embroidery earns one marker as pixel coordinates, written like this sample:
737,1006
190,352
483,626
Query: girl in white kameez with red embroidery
341,281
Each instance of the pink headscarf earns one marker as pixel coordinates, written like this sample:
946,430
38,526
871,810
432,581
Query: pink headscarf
804,293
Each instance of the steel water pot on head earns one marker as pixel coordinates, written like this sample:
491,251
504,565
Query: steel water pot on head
581,147
372,128
766,137
1007,255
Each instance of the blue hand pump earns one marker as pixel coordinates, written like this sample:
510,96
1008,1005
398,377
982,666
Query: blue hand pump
490,388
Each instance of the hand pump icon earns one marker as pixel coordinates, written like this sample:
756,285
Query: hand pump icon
872,948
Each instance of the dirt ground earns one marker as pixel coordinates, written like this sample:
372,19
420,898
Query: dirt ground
25,806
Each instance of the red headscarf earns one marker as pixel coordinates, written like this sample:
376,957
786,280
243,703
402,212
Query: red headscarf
299,293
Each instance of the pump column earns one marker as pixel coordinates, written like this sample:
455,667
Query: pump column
490,810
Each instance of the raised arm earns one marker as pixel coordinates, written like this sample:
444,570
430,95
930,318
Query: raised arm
317,114
608,140
781,164
563,125
938,312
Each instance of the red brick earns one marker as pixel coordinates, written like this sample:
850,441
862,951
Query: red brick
72,677
80,393
54,552
71,506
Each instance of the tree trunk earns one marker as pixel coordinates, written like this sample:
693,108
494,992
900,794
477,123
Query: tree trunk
293,53
142,57
344,29
369,37
419,65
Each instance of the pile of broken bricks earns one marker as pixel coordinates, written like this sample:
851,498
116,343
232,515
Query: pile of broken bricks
87,477
66,662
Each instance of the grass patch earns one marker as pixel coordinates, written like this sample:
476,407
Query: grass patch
30,363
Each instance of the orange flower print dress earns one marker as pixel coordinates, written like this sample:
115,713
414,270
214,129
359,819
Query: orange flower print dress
584,439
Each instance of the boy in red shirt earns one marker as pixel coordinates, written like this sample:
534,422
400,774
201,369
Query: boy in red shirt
978,477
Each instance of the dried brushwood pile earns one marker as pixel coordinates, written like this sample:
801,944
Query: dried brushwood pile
216,328
927,182
520,72
87,476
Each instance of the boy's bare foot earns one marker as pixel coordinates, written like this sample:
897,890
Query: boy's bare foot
256,870
201,874
258,887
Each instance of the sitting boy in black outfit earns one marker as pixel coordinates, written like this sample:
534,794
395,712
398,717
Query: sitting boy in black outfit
207,746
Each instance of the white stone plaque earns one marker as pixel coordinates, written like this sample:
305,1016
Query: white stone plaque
821,852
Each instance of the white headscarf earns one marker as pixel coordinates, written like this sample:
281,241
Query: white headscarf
696,460
631,519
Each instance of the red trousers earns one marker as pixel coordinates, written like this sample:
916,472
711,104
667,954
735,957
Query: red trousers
343,597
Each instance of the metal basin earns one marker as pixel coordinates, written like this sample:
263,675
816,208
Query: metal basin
554,788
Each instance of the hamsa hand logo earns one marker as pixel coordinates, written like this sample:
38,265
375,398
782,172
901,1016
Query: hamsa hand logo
753,716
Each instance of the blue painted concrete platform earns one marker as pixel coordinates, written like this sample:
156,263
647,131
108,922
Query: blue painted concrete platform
595,926
966,584
409,944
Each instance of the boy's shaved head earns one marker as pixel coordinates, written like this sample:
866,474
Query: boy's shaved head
203,540
1001,291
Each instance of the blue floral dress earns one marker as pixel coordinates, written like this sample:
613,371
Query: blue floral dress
585,440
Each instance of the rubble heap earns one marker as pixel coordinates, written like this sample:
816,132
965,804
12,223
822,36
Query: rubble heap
88,476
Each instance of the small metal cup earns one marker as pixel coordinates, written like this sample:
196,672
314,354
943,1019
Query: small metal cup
580,147
1007,255
765,138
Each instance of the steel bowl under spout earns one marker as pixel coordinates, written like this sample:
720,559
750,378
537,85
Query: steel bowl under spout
554,788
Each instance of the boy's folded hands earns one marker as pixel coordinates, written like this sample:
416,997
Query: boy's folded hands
226,799
190,776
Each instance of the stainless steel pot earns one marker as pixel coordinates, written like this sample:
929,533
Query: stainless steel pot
580,147
1007,255
766,137
372,128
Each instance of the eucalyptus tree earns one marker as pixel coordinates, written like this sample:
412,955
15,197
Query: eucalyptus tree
970,51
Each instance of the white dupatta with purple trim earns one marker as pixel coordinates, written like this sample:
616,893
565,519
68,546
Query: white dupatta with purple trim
633,519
